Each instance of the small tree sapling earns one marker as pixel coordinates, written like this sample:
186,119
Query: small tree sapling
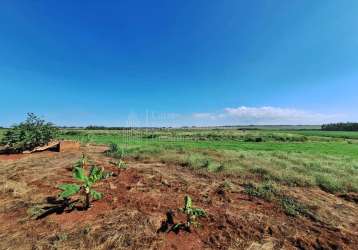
87,181
192,214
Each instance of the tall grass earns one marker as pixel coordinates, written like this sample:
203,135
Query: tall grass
330,165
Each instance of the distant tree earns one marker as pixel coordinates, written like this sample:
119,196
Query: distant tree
93,127
31,133
349,126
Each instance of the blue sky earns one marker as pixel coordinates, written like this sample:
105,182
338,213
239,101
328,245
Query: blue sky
179,62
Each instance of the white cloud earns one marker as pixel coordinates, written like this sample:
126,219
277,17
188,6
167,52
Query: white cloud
265,115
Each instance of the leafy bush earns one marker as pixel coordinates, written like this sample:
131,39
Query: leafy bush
29,134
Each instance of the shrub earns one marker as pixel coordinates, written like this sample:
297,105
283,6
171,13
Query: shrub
29,134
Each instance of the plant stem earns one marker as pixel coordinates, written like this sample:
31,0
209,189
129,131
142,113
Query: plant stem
87,199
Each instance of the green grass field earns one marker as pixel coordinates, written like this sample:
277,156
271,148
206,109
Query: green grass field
332,134
309,158
294,158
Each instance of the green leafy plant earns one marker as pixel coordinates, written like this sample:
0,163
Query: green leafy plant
86,187
266,191
115,151
120,164
83,162
113,148
192,213
29,134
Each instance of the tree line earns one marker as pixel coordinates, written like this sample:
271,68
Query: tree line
348,126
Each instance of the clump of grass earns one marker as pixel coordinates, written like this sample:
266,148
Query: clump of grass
269,192
115,152
224,187
222,167
35,211
328,183
266,191
262,172
196,161
292,207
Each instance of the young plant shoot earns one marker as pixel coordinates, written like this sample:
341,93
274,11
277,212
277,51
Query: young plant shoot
86,187
192,214
83,162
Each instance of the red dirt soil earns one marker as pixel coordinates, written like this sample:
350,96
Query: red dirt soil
135,204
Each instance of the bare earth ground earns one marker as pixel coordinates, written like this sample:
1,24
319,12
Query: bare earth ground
136,201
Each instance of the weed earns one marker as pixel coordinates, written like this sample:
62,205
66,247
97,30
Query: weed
35,211
115,151
265,191
292,207
327,183
62,237
121,165
113,148
86,230
269,192
196,161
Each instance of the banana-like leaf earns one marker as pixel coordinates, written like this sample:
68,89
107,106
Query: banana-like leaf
96,195
198,212
187,203
68,190
95,175
79,174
